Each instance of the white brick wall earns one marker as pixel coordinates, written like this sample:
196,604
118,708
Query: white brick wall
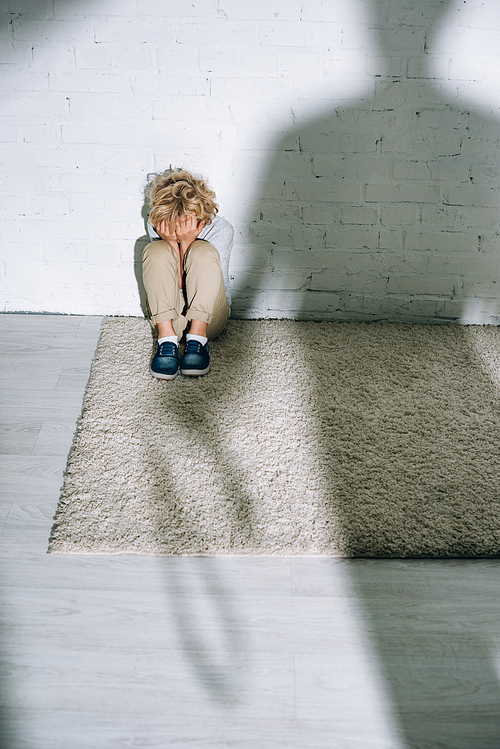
354,145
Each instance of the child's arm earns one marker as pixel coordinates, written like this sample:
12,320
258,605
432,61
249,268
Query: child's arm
167,232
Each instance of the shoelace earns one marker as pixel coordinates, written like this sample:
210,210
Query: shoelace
167,348
193,347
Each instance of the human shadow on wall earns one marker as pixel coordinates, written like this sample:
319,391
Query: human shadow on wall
388,210
384,210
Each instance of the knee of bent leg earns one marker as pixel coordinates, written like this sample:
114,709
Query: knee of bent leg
202,250
155,252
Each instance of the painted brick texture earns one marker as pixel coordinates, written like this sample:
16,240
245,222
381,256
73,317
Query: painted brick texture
353,145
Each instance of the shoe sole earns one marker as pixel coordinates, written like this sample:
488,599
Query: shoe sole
163,376
194,372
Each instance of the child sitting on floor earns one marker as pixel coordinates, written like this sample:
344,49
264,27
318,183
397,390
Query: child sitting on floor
185,271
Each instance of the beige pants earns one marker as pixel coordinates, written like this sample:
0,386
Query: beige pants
203,297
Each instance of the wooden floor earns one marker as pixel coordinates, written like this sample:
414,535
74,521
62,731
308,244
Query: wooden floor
105,652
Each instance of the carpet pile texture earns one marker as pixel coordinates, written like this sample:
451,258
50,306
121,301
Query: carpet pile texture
336,439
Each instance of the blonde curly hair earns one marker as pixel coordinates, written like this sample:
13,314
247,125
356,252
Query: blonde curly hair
176,192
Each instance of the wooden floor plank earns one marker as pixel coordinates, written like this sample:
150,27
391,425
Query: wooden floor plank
19,438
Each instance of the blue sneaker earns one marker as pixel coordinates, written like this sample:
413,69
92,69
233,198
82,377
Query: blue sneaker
165,362
196,359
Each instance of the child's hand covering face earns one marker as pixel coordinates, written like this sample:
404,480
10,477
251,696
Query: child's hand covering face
187,229
166,230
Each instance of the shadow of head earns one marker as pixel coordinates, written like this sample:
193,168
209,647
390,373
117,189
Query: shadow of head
385,208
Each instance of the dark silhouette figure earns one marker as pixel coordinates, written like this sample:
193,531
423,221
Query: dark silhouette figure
388,210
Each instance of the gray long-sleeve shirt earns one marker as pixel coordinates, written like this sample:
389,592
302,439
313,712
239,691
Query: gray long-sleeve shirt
221,234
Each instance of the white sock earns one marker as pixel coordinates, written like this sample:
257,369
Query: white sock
193,337
170,338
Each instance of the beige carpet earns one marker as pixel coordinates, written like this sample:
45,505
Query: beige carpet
339,439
